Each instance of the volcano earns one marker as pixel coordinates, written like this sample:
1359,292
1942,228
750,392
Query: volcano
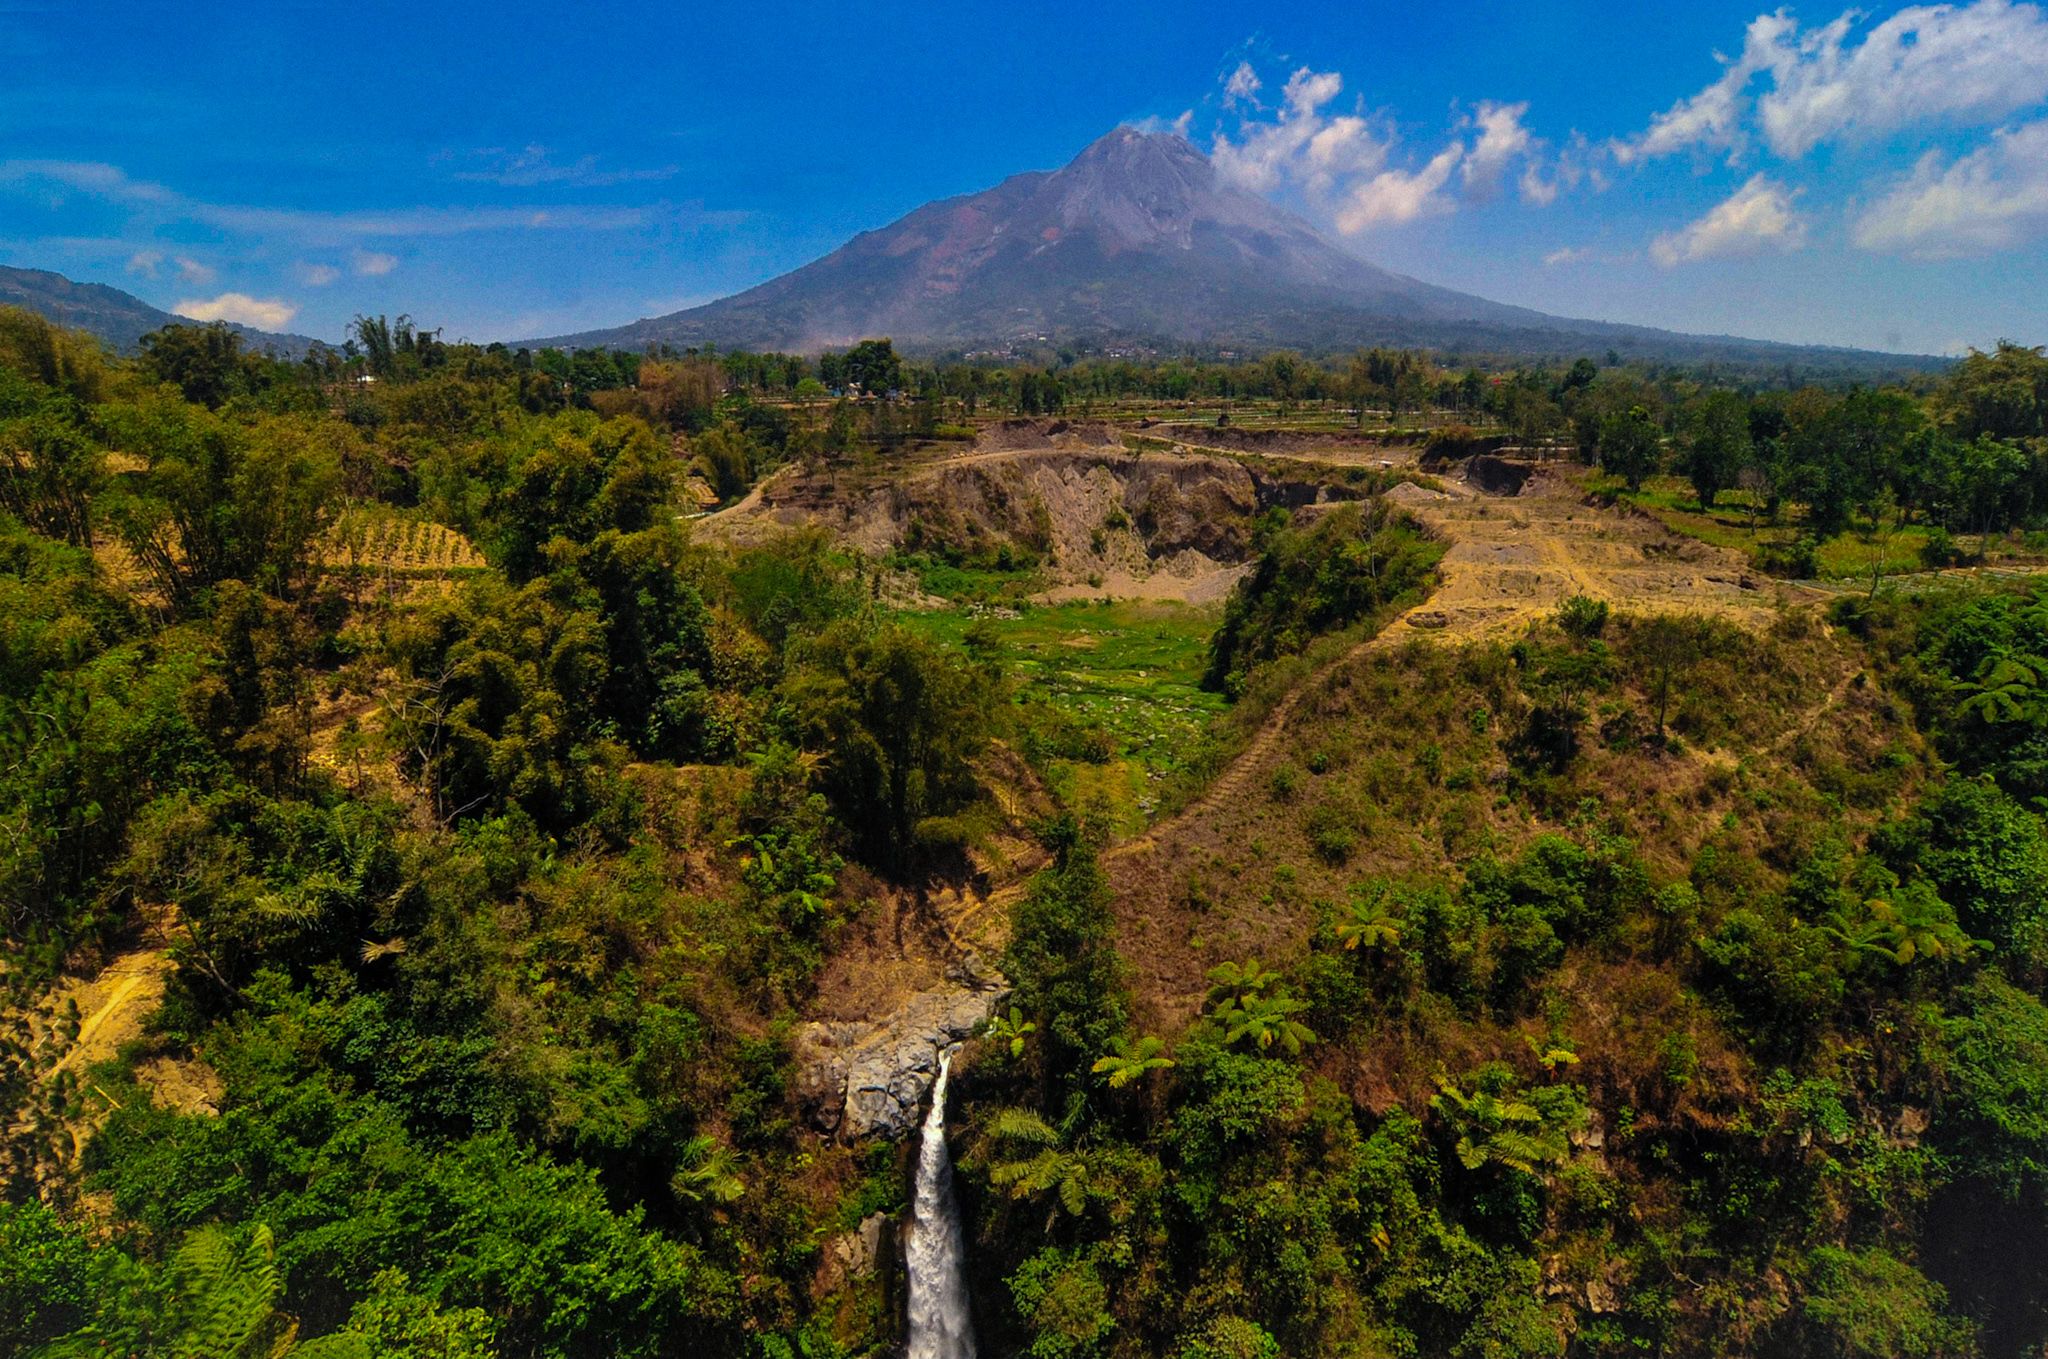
1139,242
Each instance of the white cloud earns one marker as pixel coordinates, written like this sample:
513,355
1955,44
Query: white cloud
1502,140
1299,143
1996,196
1713,117
1396,196
1965,65
1537,190
150,263
317,275
157,202
1344,147
1343,162
1758,217
1568,254
534,164
262,313
1931,63
1242,87
373,264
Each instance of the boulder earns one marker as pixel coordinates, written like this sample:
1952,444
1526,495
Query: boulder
868,1078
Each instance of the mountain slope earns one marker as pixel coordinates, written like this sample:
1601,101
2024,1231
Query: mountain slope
119,318
1137,240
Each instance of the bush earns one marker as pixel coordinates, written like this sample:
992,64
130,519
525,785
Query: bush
1870,1305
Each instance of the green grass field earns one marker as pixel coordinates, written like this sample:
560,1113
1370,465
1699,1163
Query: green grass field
1119,681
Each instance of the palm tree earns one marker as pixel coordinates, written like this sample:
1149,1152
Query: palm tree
1499,1126
216,1299
706,1173
1368,921
1553,1052
2005,689
1030,1163
1912,924
1234,982
1131,1061
1264,1021
1010,1031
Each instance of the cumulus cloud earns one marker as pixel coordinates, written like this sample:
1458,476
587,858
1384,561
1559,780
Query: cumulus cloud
1959,65
262,313
1502,140
1568,254
1344,163
192,271
146,262
1756,218
1396,196
1300,143
317,275
1994,197
375,264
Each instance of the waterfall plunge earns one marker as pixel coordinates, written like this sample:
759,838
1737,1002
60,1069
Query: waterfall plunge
939,1324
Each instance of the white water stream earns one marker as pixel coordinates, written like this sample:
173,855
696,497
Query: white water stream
939,1324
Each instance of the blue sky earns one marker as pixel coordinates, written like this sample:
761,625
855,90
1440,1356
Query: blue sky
1877,178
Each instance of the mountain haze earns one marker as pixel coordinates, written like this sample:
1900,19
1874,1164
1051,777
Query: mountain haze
119,318
1138,240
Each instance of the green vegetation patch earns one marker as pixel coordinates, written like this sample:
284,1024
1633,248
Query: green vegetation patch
1115,688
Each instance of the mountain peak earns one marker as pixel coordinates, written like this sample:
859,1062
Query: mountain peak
1138,188
1124,140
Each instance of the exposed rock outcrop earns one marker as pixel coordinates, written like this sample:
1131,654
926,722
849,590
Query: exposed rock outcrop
852,1256
869,1078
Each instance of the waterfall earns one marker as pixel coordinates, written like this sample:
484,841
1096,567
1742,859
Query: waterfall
939,1324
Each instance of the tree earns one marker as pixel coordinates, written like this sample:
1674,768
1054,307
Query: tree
706,1173
1910,924
903,722
2002,394
50,470
874,367
1062,962
1627,445
67,361
206,363
1668,646
1372,919
1233,982
1716,443
225,500
1498,1124
1132,1060
1010,1032
216,1299
1028,1159
1264,1021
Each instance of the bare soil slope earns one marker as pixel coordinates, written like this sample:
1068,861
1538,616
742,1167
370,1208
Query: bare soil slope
1100,520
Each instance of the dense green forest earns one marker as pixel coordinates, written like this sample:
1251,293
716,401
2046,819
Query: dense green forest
498,829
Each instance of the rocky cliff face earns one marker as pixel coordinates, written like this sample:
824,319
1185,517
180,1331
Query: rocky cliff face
869,1078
